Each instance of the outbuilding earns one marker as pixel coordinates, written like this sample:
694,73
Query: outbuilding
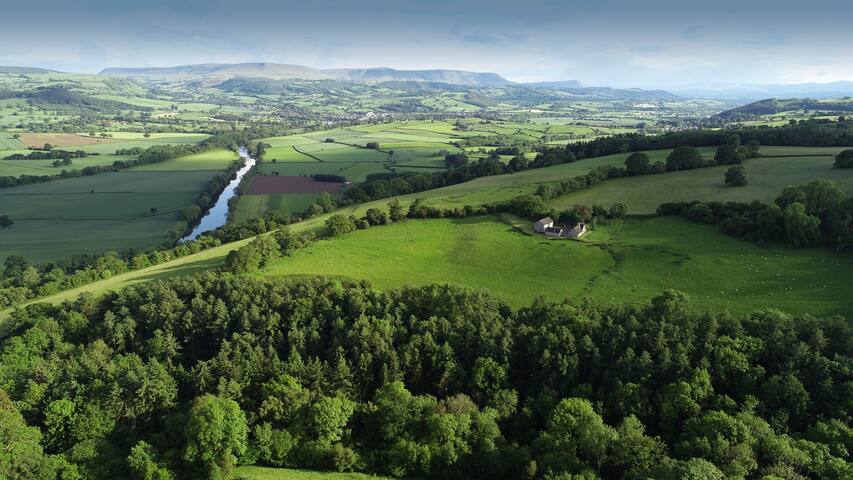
541,225
575,232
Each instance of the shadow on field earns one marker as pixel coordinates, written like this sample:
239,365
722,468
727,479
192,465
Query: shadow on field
182,269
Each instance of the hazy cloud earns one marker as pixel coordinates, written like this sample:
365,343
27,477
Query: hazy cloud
655,43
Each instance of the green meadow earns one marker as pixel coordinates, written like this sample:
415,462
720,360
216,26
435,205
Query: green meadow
265,473
218,159
56,219
766,177
16,168
628,261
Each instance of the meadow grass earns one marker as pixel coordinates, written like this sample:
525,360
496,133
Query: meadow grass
108,211
218,159
285,155
16,168
8,142
256,206
265,473
627,261
766,178
350,154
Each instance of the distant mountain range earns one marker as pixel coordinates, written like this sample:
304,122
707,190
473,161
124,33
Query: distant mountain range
756,91
279,71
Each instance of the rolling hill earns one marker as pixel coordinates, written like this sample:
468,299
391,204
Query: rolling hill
772,106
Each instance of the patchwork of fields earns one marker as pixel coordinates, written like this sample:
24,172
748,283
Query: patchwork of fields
57,219
623,262
402,147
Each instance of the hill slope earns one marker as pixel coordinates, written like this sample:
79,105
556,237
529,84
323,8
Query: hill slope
772,106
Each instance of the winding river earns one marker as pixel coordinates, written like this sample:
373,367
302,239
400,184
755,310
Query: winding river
218,213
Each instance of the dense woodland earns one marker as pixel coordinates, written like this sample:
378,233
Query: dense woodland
184,379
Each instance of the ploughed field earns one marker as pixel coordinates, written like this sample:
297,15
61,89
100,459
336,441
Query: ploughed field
107,211
291,184
628,261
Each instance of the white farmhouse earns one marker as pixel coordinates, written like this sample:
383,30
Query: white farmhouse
541,225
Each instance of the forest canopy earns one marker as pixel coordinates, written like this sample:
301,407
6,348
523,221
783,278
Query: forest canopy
186,378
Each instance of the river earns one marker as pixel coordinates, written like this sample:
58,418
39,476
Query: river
218,213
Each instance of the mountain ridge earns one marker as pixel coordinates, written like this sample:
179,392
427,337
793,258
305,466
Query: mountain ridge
280,71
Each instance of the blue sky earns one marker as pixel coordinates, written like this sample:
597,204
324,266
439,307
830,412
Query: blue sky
649,43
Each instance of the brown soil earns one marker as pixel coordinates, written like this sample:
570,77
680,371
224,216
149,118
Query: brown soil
290,184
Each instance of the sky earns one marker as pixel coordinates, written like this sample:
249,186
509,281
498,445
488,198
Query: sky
647,44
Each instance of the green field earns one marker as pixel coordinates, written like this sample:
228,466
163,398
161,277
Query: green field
209,160
624,262
108,211
16,168
254,206
7,142
766,177
264,473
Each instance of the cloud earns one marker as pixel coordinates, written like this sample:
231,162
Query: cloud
693,34
490,38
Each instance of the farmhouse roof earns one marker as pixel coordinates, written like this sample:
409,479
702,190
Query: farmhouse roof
544,221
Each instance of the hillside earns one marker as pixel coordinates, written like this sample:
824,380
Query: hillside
24,70
772,106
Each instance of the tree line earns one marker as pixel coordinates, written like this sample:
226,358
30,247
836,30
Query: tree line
835,134
187,378
801,216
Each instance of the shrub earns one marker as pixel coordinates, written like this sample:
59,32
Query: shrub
340,224
844,159
684,158
736,176
637,164
699,212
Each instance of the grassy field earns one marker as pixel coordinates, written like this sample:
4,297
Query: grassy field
766,177
16,168
108,211
64,140
8,142
264,473
253,206
626,262
209,160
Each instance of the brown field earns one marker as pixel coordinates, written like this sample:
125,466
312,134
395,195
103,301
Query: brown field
37,140
263,184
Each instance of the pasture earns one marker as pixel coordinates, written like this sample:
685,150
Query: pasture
56,219
38,140
8,142
627,261
218,159
265,473
16,168
766,177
